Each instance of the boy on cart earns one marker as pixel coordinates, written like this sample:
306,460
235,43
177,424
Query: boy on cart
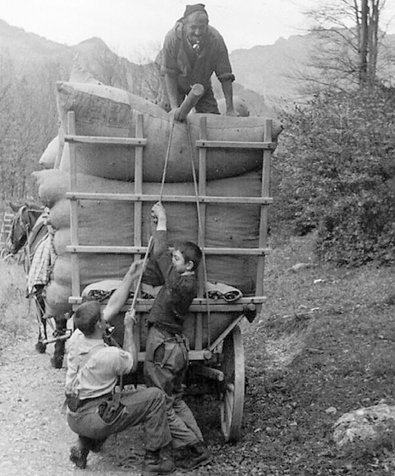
166,359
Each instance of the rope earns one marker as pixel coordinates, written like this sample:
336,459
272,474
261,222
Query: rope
200,231
166,160
131,311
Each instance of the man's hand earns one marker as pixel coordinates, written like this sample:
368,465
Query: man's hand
164,104
158,211
158,215
136,267
232,113
130,319
175,113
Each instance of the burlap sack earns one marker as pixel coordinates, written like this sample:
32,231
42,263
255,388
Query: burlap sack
48,158
105,111
104,222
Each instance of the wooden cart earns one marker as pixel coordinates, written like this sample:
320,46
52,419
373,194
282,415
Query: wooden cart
212,326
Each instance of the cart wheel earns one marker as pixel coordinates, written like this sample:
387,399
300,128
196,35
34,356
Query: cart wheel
233,397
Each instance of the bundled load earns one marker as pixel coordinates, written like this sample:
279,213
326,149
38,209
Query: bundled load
105,111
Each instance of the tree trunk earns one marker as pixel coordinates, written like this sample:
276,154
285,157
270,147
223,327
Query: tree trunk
363,48
373,41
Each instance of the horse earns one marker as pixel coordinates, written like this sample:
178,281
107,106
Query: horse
29,230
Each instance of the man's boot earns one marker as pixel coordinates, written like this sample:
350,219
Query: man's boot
193,456
79,456
92,445
79,452
157,462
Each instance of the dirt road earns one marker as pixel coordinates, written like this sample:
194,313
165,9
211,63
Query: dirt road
34,436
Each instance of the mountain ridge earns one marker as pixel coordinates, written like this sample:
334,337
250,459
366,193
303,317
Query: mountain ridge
266,74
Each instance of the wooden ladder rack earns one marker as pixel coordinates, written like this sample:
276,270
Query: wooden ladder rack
199,304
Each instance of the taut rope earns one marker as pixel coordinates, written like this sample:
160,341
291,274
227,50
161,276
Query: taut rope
200,231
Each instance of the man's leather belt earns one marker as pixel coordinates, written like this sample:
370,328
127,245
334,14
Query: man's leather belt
86,400
165,328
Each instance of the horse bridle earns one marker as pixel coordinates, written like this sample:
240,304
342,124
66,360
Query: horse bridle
27,227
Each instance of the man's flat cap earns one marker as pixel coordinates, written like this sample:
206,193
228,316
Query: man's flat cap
198,7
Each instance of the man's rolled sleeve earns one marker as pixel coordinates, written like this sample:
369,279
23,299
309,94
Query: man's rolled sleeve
125,362
169,55
226,77
223,68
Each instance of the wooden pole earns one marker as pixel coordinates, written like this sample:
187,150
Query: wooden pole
190,101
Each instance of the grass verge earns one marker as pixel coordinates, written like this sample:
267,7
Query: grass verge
15,317
323,346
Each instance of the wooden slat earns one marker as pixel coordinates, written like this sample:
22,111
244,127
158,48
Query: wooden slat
138,185
198,304
227,331
192,355
75,139
75,272
140,197
202,232
106,249
235,144
208,372
138,217
142,249
266,168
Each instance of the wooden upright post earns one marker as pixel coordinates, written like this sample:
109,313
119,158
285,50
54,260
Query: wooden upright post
202,235
267,156
75,269
138,216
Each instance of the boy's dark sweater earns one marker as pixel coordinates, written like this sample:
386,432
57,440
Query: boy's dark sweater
176,295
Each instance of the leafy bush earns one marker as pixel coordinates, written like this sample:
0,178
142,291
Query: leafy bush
337,173
356,231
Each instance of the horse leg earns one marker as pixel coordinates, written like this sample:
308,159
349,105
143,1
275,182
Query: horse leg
60,332
39,309
41,347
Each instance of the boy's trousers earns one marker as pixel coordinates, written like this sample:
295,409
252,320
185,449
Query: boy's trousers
165,365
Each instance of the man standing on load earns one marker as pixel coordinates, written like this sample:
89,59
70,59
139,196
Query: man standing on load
192,51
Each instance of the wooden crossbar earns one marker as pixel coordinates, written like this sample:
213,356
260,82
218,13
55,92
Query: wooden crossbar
140,197
143,249
129,141
198,304
218,144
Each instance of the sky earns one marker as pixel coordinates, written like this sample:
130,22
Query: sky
135,28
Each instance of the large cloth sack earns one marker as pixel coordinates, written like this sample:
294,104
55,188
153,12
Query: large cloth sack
239,104
105,111
104,222
49,156
52,186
